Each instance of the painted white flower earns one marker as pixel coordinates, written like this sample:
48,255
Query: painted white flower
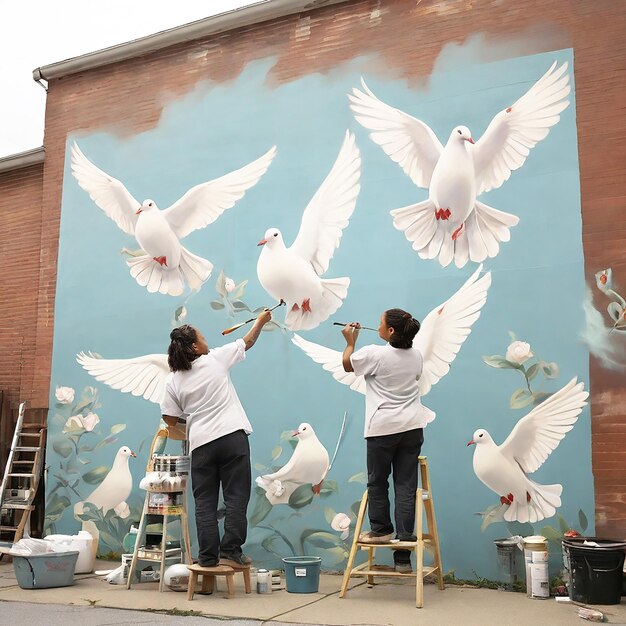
341,522
64,395
229,284
518,352
122,510
86,422
277,488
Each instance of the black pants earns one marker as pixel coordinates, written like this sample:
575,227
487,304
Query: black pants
225,461
399,452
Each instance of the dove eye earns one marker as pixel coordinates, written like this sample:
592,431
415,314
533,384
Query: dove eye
458,131
275,234
480,435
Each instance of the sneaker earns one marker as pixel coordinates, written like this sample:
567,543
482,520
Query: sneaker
373,537
237,560
403,568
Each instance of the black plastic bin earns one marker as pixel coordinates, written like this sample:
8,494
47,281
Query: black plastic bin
595,571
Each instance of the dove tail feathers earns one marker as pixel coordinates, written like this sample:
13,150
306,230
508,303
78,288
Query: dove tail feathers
334,292
417,222
155,278
544,500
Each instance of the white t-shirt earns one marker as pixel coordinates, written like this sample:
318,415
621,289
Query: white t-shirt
392,397
207,396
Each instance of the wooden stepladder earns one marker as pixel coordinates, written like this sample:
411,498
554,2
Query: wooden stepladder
429,541
20,480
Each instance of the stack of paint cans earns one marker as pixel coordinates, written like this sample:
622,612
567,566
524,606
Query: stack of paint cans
536,561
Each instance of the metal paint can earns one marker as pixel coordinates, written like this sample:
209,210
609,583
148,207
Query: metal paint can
263,581
540,582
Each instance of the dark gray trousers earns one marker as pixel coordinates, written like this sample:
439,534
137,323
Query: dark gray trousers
226,462
398,452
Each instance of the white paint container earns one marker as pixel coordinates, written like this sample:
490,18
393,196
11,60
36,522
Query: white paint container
540,582
263,581
532,544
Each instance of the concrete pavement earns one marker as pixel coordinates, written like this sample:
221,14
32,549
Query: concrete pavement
391,602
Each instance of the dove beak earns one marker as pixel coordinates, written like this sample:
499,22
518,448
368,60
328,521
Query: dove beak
295,433
138,211
470,140
471,443
262,242
133,454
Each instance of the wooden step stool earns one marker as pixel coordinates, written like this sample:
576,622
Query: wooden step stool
208,578
423,502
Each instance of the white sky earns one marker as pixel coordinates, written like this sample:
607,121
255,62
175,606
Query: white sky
34,33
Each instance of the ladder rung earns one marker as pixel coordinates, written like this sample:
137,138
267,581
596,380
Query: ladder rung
23,434
426,571
26,449
15,505
20,475
8,528
16,461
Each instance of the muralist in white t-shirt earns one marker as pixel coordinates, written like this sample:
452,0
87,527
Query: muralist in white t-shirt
392,397
207,396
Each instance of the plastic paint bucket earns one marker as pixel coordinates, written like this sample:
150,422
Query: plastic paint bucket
534,543
302,573
42,571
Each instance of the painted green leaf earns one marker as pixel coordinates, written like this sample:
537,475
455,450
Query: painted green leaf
117,428
268,543
333,556
532,371
276,452
96,475
259,467
329,487
361,477
539,397
262,508
551,533
114,543
302,496
548,372
355,507
329,514
520,399
512,335
582,520
496,360
493,514
240,305
219,285
85,448
62,446
216,305
321,539
56,506
517,528
105,442
563,525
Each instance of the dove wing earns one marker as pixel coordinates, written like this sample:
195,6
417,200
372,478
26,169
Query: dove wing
142,376
514,131
329,210
331,361
447,326
107,192
204,203
406,140
537,434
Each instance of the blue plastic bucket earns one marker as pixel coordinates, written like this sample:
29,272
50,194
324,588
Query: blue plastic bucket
302,573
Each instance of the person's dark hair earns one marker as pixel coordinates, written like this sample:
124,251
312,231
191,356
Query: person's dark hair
405,327
180,353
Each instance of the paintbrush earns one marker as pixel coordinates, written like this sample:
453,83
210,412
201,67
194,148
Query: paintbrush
362,327
234,328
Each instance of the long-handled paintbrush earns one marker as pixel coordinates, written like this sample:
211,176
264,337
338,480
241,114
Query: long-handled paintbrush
234,328
362,327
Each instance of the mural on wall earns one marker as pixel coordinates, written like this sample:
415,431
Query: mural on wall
605,329
452,223
297,507
504,468
293,274
164,265
308,464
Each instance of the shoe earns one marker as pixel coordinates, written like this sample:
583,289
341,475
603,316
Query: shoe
237,560
403,568
373,537
208,564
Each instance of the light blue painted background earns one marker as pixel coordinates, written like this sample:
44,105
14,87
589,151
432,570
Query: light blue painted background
537,277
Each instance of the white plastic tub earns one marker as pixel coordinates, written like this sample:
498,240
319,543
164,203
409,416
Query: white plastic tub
83,543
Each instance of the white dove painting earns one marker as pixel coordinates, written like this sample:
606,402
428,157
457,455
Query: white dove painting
452,224
113,491
294,274
442,333
504,468
140,376
309,463
164,264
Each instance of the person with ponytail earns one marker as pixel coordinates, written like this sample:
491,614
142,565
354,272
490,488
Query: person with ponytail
394,422
199,389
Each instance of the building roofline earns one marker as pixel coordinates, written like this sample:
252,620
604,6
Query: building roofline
22,159
260,11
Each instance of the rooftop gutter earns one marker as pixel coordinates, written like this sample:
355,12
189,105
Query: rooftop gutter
260,11
22,159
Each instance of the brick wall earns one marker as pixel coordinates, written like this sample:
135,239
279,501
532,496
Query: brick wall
128,97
